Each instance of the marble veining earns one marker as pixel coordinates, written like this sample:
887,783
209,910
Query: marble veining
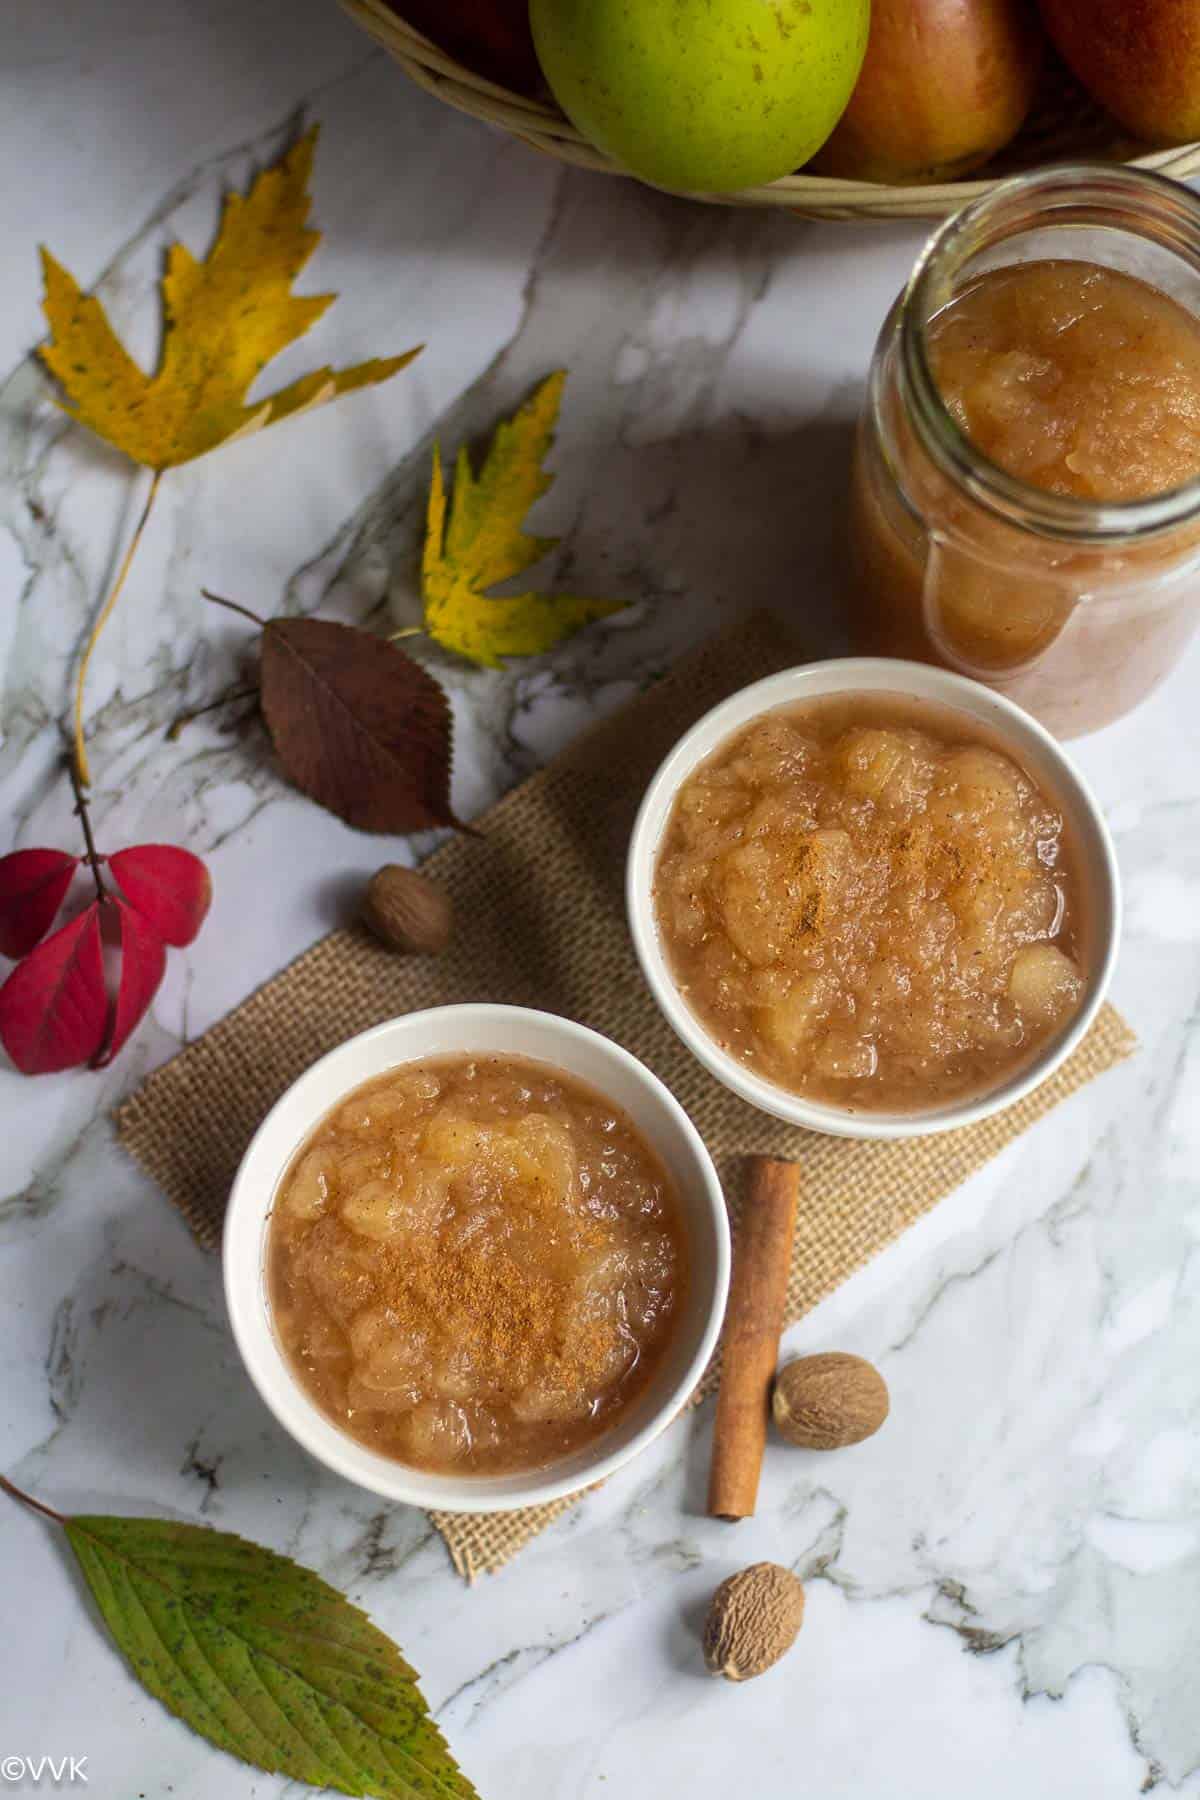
1004,1585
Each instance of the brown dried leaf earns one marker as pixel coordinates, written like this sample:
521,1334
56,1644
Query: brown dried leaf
357,724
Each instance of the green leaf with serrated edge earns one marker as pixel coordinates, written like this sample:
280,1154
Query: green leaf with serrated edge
478,541
264,1659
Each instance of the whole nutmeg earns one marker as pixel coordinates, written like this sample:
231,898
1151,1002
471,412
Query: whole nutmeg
408,911
753,1620
824,1402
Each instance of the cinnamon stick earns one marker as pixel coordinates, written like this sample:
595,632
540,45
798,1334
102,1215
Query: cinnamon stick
753,1321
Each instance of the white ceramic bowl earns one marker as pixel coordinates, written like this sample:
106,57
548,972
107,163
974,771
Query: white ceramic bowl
1007,725
488,1030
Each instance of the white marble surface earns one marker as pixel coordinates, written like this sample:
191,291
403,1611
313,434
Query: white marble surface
1004,1586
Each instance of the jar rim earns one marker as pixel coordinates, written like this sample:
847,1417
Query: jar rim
1137,201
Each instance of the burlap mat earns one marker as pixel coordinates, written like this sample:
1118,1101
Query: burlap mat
540,921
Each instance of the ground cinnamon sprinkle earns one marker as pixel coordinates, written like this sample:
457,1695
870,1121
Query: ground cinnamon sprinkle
511,1321
925,863
812,870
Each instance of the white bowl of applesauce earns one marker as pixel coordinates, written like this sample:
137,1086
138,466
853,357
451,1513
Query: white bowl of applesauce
476,1258
874,898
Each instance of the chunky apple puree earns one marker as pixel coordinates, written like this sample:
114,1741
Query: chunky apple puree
868,905
474,1264
1081,381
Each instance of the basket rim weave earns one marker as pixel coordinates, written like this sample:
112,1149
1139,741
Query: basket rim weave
545,128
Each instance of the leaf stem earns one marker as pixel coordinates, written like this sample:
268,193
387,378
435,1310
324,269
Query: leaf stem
185,718
235,606
80,752
81,813
10,1487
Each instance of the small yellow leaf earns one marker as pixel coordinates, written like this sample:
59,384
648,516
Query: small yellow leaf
224,319
482,544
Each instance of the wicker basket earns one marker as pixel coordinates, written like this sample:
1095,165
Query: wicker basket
1063,125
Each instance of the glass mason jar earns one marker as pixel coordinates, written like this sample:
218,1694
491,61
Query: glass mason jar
1076,609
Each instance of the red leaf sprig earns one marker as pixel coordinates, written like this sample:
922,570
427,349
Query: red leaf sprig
56,1009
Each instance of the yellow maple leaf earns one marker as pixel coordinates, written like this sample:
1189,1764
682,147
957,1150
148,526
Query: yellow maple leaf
482,543
224,319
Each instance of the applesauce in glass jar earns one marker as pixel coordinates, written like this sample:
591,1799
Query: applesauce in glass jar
1026,495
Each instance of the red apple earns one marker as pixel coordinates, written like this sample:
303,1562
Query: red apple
492,37
945,84
1138,58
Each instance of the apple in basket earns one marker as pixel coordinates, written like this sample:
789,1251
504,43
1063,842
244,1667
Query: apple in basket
492,37
1139,58
702,96
945,84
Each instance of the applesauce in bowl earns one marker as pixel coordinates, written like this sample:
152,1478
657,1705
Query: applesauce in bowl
476,1258
475,1264
874,898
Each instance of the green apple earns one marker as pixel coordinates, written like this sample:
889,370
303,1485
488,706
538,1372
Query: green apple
703,96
